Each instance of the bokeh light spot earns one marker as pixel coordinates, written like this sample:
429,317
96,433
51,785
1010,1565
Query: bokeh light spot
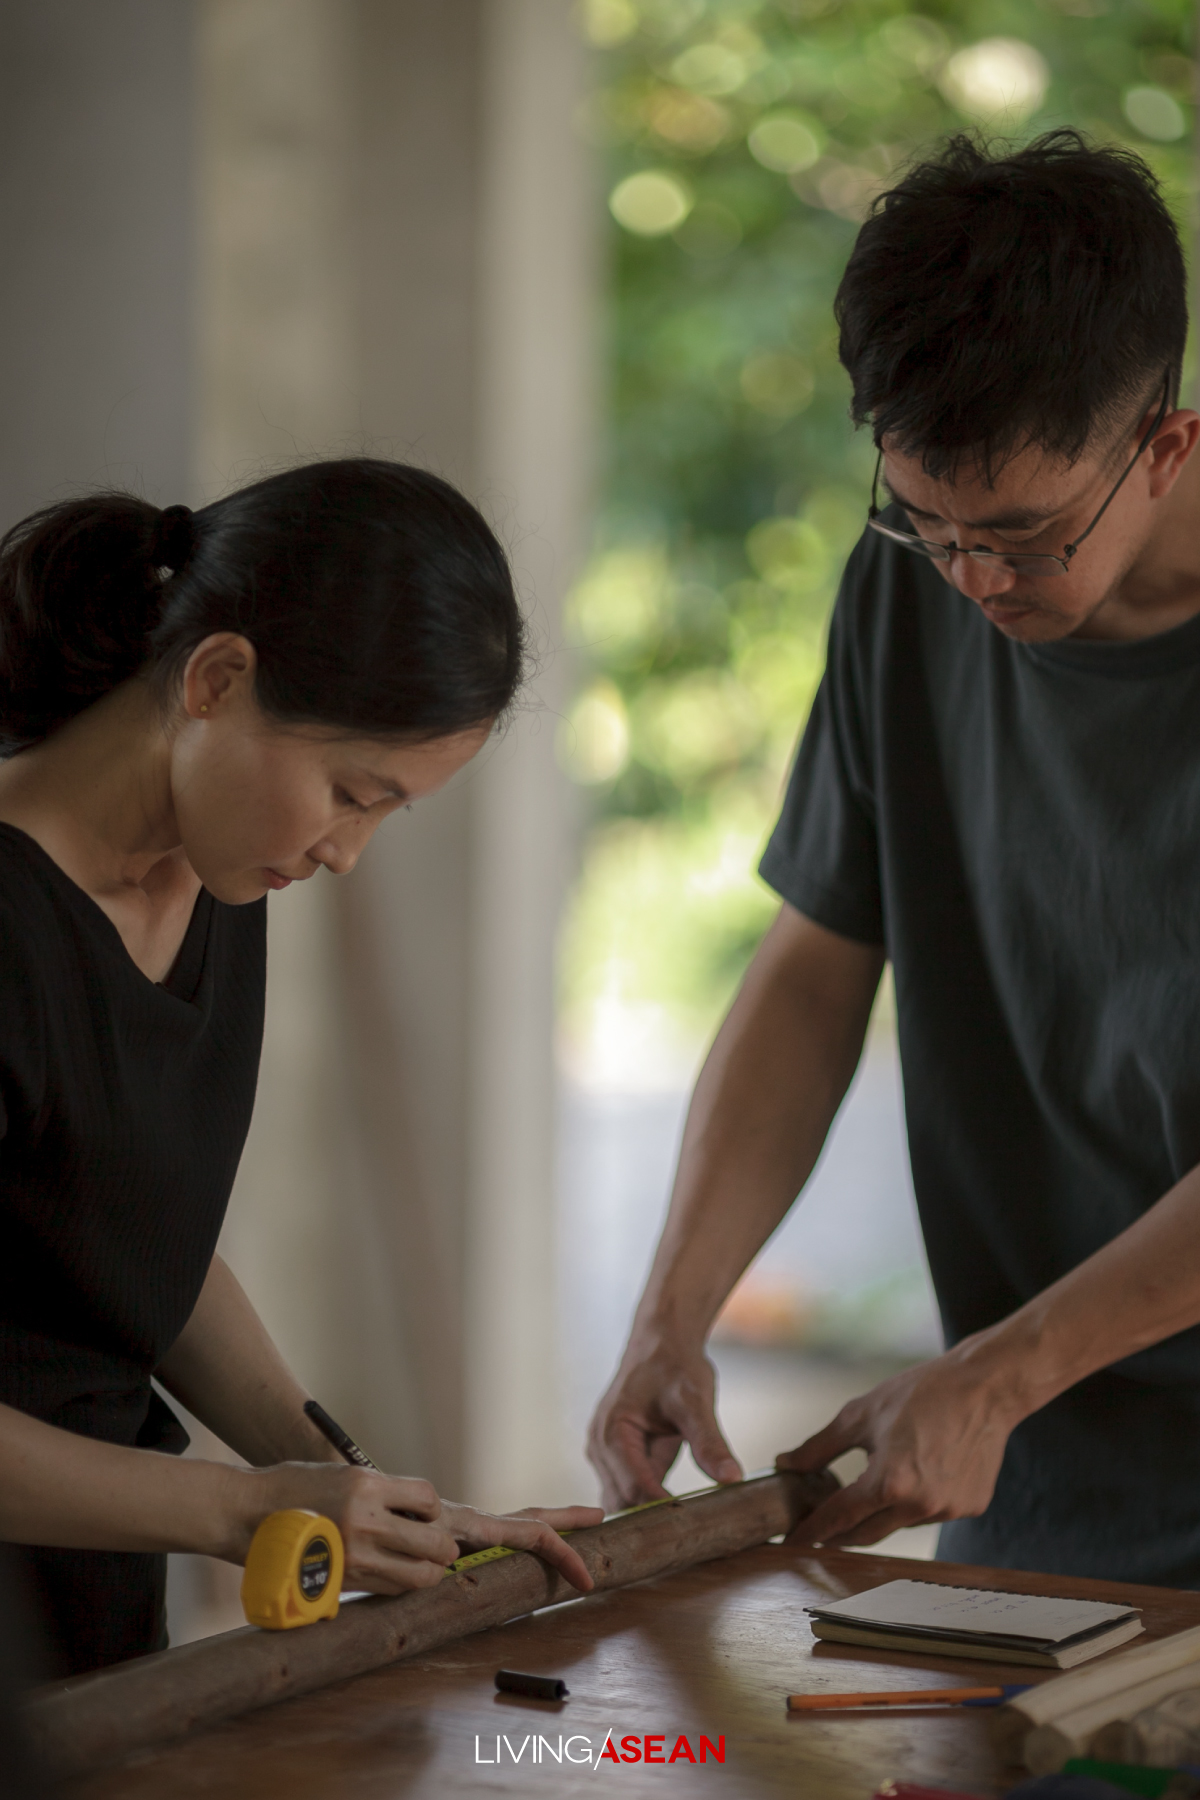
710,69
999,77
608,22
692,121
840,187
651,203
593,740
698,723
620,603
918,41
784,142
1153,112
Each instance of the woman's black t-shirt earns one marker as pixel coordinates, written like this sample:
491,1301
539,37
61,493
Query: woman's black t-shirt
124,1106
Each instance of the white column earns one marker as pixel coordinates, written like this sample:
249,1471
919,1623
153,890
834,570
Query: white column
535,417
276,286
96,215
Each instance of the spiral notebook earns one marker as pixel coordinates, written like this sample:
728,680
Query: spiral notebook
981,1623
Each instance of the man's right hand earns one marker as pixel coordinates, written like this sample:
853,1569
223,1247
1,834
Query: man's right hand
661,1398
772,1082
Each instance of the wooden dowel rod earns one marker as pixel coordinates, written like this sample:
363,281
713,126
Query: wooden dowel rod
1047,1747
91,1720
1165,1735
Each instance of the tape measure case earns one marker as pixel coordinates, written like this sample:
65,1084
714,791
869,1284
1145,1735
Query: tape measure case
293,1574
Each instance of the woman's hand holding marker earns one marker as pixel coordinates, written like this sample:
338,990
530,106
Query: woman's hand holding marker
386,1551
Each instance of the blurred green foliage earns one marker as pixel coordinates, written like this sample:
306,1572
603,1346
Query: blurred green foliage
744,142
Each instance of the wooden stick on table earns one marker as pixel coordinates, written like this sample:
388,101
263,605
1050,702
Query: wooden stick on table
1164,1735
1052,1720
91,1720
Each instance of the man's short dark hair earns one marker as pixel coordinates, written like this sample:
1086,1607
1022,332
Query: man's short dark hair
996,301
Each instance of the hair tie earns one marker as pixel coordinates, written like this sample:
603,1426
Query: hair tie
175,538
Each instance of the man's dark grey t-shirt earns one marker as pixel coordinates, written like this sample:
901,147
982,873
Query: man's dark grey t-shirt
1020,826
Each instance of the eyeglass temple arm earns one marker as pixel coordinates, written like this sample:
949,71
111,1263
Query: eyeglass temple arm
874,512
1070,549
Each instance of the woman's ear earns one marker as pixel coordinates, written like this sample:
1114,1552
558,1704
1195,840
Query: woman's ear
219,675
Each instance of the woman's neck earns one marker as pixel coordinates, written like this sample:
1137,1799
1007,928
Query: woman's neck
96,795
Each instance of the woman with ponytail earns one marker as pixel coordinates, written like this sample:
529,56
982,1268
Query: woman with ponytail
196,709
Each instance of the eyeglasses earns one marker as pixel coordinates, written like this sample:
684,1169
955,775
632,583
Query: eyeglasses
1020,562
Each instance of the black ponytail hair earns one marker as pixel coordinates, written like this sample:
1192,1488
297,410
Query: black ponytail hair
378,601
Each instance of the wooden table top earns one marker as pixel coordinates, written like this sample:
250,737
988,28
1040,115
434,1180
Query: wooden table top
711,1652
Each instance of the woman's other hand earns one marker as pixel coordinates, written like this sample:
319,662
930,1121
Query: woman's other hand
534,1528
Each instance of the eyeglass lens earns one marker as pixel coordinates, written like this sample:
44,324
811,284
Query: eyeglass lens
1018,562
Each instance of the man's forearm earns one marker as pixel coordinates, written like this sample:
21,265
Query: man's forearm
1142,1287
761,1111
936,1434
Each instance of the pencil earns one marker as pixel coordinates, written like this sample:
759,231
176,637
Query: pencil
943,1696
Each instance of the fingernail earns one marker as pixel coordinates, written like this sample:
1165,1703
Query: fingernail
729,1471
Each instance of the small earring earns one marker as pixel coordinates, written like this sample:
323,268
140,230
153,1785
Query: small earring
204,709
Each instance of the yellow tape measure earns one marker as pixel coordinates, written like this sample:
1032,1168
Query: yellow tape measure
293,1574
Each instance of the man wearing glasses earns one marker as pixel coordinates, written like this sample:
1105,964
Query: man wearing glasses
999,791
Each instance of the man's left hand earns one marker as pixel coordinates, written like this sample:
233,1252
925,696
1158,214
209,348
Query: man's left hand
934,1438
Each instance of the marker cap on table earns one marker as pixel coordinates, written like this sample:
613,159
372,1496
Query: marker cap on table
534,1687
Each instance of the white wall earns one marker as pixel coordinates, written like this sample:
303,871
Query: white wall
96,222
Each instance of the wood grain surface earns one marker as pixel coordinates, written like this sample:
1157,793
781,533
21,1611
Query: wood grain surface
712,1651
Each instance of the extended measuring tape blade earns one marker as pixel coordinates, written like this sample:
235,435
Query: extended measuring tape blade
479,1556
495,1551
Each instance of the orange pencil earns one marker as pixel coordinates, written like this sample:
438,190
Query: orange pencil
943,1696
